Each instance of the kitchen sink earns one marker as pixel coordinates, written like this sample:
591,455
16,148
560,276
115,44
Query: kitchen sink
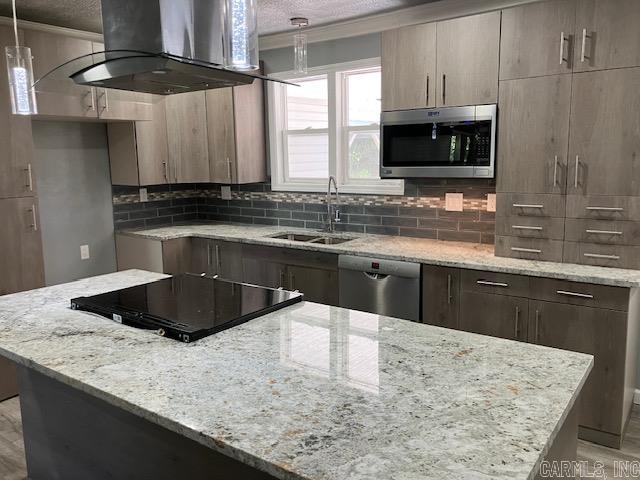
322,239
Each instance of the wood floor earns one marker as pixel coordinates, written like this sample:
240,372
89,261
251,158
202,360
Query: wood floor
12,463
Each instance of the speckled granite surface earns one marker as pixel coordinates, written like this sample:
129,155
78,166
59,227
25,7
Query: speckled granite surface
433,252
311,391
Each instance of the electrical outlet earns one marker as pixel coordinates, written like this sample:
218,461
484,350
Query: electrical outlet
225,192
84,252
454,202
491,202
143,195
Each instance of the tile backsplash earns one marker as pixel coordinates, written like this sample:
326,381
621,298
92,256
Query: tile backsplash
419,213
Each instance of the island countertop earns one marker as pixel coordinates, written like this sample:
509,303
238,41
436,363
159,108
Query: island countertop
312,391
432,252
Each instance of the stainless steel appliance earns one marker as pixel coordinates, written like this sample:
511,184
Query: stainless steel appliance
455,142
386,287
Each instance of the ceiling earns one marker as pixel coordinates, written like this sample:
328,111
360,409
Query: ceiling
273,15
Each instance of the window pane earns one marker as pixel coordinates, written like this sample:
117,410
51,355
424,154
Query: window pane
364,154
308,156
363,90
308,105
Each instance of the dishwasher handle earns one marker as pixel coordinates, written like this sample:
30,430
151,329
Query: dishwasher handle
379,266
375,276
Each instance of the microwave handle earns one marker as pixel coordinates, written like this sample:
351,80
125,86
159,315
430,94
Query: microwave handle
427,90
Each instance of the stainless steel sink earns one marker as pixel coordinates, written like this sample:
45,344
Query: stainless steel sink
323,239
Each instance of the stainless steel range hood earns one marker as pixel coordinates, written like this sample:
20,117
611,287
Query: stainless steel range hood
161,47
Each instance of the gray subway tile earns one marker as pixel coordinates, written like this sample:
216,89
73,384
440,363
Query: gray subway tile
311,216
348,227
265,204
290,206
418,233
365,219
381,210
400,221
252,212
418,212
283,222
170,211
459,236
278,213
315,207
382,230
265,221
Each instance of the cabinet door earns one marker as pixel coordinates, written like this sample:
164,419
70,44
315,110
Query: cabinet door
494,315
604,141
228,260
534,134
409,67
536,39
258,271
607,34
249,126
467,59
317,285
201,256
599,332
221,135
440,296
58,95
152,147
187,137
21,262
121,104
16,142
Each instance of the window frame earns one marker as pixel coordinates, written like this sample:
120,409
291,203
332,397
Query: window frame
338,130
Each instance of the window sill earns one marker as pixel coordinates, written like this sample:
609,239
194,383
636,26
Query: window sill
353,189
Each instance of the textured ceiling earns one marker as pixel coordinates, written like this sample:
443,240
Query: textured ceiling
273,15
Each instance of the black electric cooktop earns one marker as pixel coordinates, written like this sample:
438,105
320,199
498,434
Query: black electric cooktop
187,307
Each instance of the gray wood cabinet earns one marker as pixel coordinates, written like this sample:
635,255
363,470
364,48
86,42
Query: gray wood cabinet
467,57
215,257
440,296
408,61
534,134
604,140
494,315
601,333
537,39
607,34
21,262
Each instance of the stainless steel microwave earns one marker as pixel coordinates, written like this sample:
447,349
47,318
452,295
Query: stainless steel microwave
452,142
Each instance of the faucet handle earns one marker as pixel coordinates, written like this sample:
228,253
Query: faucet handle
337,216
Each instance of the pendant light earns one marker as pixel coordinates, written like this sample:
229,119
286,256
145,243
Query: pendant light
241,35
20,71
300,45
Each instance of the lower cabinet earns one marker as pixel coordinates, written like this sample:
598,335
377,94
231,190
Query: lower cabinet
440,296
598,332
494,315
215,257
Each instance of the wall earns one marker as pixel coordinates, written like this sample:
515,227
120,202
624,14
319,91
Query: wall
74,188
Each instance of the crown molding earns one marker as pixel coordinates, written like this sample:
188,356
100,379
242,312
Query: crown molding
42,27
428,12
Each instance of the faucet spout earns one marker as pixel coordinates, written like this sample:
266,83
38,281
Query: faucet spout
333,213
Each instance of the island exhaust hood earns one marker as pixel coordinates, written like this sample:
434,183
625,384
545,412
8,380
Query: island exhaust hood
160,47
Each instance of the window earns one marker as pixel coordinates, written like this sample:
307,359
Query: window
328,124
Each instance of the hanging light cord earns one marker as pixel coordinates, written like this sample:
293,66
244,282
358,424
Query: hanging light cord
15,22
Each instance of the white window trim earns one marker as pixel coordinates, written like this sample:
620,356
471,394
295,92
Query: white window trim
338,135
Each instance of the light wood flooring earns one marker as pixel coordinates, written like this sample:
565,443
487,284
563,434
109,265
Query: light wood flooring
12,462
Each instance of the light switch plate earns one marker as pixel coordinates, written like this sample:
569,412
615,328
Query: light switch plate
144,197
225,192
491,202
84,252
454,202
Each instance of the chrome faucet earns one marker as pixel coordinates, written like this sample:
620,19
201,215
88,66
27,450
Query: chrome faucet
333,214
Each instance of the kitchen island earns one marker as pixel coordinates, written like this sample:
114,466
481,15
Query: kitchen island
307,392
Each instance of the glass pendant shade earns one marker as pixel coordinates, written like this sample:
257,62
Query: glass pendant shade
241,35
300,53
20,70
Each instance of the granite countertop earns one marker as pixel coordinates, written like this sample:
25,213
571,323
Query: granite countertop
433,252
312,391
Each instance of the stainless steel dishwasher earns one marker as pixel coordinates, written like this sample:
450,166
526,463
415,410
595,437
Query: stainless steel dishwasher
386,287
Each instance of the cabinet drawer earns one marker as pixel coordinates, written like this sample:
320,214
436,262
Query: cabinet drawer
576,293
531,227
529,248
603,207
617,256
610,232
495,283
291,256
529,205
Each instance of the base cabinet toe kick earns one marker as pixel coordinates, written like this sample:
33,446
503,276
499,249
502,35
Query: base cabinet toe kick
594,319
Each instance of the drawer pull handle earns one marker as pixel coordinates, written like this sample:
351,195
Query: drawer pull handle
574,294
492,284
525,250
524,205
606,209
604,232
598,255
525,227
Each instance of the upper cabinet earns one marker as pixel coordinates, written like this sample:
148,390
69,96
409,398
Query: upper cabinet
604,142
607,34
57,95
448,63
467,60
537,39
409,67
